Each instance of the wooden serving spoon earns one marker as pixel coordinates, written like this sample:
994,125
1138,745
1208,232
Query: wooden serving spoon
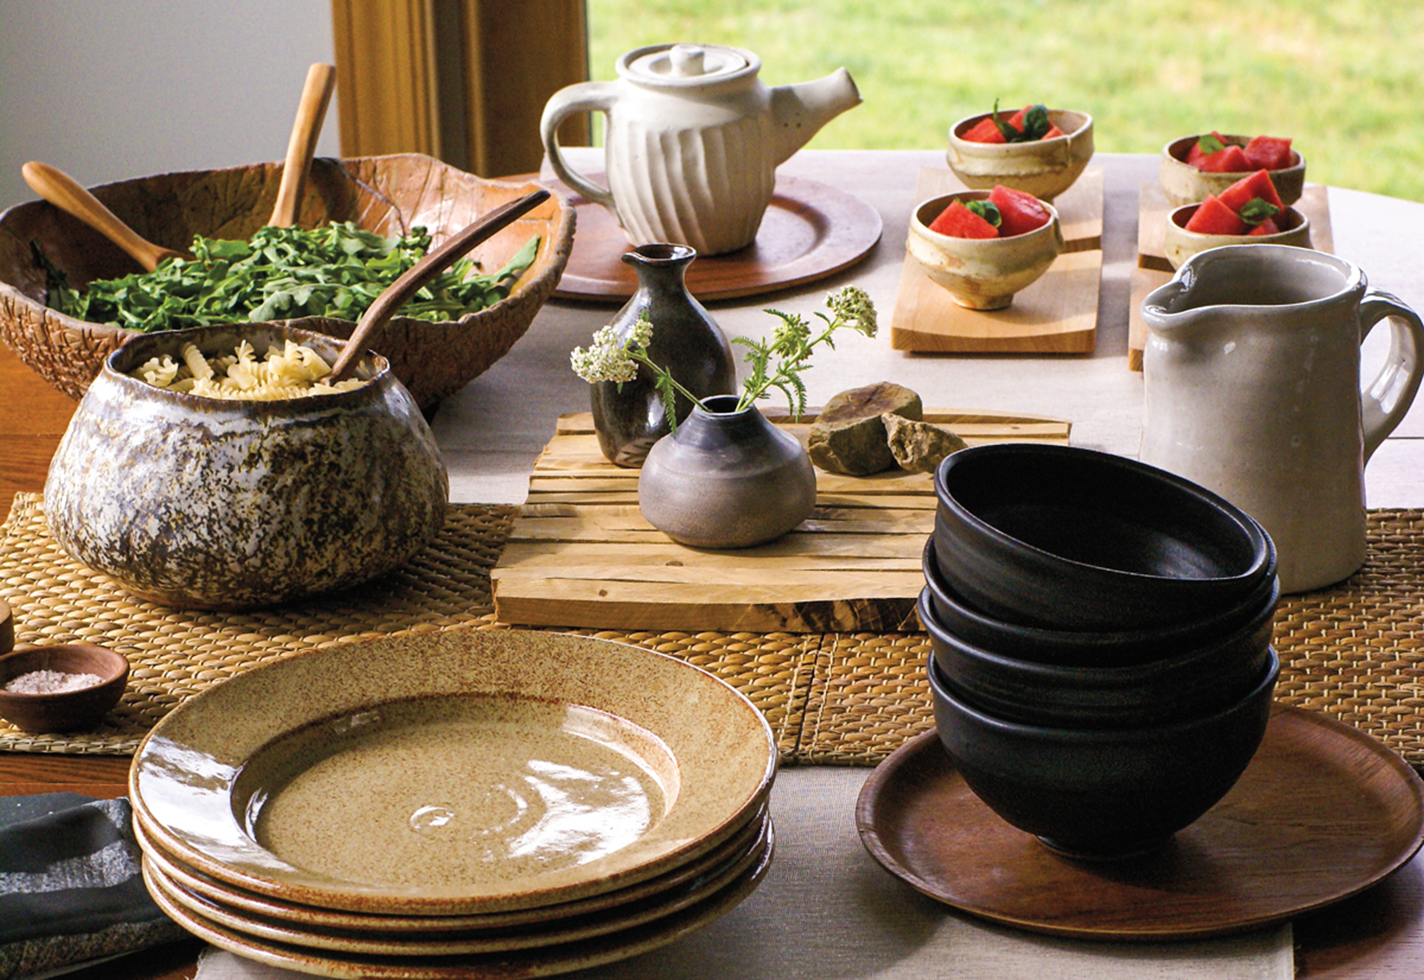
394,296
65,193
301,147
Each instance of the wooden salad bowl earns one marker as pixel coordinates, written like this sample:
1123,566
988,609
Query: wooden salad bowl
386,194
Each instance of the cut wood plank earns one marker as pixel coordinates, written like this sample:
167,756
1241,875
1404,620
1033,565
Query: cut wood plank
735,608
582,556
1056,314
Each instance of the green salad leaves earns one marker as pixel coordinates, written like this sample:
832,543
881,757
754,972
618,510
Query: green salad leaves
283,274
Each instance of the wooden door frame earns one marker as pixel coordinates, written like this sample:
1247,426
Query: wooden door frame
461,80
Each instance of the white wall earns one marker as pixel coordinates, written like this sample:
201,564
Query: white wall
110,89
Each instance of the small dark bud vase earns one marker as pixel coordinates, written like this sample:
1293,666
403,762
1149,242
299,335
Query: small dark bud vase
686,341
727,479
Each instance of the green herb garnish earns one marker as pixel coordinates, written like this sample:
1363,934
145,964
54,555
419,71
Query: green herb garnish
987,210
611,359
284,274
1209,144
1257,210
1036,125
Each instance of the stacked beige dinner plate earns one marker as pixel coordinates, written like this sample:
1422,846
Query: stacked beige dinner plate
465,804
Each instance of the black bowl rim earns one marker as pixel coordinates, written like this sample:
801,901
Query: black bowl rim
1084,677
1098,736
1095,640
1263,547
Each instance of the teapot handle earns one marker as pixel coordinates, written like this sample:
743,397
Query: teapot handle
1386,399
582,97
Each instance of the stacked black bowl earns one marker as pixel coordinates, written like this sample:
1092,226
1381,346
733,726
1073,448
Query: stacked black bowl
1102,667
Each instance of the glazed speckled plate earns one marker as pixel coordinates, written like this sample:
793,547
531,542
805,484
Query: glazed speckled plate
544,961
419,943
694,873
453,773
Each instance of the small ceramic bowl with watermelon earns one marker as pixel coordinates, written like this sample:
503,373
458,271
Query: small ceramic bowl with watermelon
984,246
1195,166
1248,212
1037,150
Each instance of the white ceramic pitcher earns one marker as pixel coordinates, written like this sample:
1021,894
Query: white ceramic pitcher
693,141
1252,383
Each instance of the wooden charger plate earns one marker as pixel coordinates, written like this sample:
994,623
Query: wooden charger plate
810,231
1322,813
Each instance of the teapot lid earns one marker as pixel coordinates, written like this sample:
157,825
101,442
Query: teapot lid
687,64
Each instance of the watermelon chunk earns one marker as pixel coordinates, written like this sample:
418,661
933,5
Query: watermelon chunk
957,221
1018,212
1214,218
1258,184
1267,227
1053,131
1195,153
984,131
1228,161
1269,152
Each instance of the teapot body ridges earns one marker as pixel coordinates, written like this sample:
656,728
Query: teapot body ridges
692,141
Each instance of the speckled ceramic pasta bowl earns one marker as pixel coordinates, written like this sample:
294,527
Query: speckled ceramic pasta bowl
210,503
453,773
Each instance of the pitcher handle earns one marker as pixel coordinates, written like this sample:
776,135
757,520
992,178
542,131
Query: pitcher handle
582,97
1386,399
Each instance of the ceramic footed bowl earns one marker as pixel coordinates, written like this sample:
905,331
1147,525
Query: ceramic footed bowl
1103,793
981,273
1174,688
1087,648
1068,538
1045,168
1179,244
221,504
1185,184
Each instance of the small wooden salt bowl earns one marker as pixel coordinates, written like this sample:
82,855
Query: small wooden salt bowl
62,711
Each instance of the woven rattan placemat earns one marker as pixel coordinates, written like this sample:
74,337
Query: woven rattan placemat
1353,651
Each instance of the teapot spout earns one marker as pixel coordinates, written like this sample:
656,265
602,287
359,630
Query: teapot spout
799,111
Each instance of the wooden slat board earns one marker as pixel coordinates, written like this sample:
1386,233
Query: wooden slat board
581,554
1058,314
1154,270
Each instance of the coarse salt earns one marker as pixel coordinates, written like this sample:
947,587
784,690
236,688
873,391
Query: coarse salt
51,682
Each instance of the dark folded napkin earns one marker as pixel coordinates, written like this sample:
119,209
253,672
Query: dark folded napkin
70,886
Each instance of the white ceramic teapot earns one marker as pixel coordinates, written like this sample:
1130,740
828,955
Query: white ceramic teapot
693,141
1252,383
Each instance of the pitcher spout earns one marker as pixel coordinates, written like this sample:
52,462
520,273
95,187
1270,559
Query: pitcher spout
1170,305
799,111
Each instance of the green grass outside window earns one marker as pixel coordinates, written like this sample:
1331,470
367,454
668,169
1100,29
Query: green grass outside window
1343,79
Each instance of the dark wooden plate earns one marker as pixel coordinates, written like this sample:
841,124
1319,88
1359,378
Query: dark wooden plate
1322,813
811,230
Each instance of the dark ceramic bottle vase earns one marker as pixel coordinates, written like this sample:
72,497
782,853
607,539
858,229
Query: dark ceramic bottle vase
686,341
726,479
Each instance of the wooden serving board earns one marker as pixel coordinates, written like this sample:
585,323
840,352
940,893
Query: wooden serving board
1058,314
1154,270
581,554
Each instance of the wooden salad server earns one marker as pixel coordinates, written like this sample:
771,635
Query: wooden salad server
65,193
394,296
301,147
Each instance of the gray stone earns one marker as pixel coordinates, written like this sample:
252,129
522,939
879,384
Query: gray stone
849,436
919,446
